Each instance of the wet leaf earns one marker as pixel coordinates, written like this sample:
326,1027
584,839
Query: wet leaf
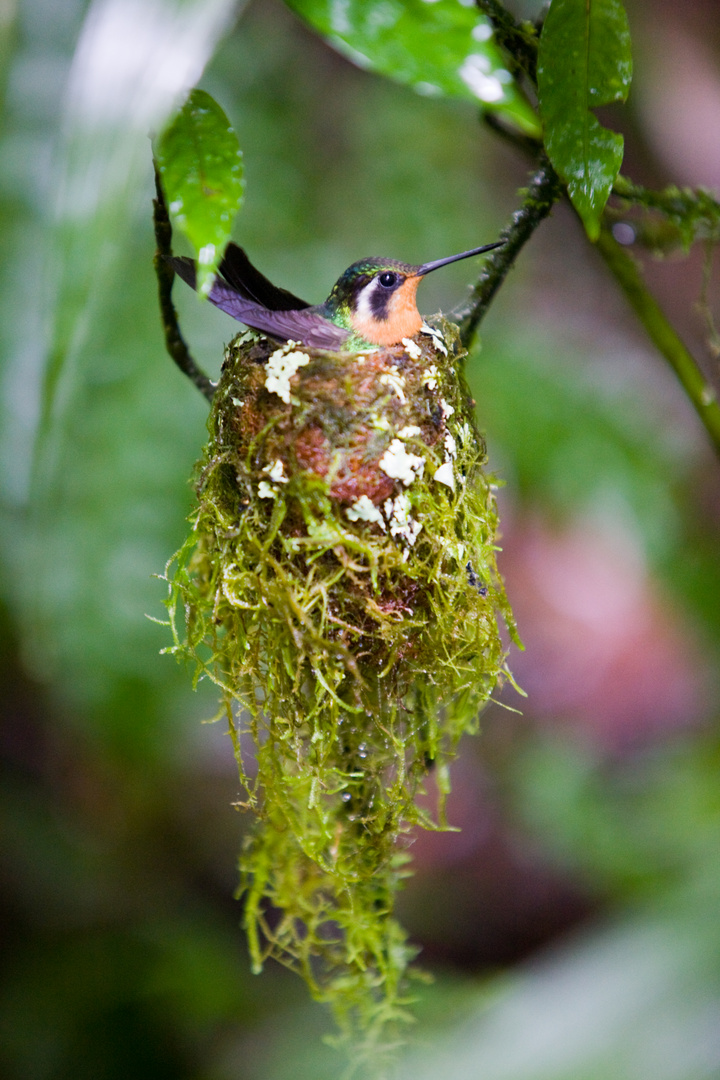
584,61
441,48
200,164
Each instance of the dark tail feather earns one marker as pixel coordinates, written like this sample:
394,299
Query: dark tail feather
242,277
234,291
223,295
246,280
184,268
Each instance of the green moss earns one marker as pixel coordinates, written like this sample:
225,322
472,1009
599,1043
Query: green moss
345,600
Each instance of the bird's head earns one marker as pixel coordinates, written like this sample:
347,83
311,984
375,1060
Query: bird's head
375,298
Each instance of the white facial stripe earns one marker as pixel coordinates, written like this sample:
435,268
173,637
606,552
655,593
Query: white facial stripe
363,309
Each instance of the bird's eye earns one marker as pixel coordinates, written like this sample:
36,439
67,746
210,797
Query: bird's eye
387,279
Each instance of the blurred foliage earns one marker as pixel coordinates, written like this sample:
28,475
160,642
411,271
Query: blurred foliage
122,952
632,828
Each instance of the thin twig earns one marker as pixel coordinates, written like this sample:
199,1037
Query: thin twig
174,341
526,144
543,192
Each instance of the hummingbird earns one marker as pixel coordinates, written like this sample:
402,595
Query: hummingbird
372,304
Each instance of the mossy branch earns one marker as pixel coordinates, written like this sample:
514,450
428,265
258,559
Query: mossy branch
687,214
626,272
542,193
174,341
684,206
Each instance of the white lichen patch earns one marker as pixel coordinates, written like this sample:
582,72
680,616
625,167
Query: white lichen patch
450,446
364,509
397,382
246,337
447,409
281,366
409,431
381,423
265,490
456,549
402,525
430,377
324,532
412,348
276,472
237,402
465,434
445,475
438,340
398,464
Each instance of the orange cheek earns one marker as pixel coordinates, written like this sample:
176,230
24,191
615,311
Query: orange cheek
404,315
403,319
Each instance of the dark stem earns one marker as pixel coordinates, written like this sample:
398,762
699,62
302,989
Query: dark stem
174,341
519,40
543,192
526,144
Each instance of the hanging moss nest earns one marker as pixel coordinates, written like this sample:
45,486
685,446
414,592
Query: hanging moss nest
340,586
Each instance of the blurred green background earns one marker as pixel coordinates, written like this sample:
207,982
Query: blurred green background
572,925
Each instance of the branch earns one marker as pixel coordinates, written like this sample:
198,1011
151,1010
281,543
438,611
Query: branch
526,144
695,214
519,40
174,341
543,192
626,272
679,204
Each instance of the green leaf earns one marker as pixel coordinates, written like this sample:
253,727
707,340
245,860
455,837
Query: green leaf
200,164
438,47
584,61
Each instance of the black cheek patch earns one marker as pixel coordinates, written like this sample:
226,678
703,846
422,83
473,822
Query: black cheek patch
380,302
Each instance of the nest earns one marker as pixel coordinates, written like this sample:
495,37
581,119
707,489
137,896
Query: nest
340,586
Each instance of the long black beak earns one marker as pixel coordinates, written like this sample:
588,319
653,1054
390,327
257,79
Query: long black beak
427,267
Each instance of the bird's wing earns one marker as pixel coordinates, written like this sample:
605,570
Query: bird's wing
298,324
242,276
305,325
